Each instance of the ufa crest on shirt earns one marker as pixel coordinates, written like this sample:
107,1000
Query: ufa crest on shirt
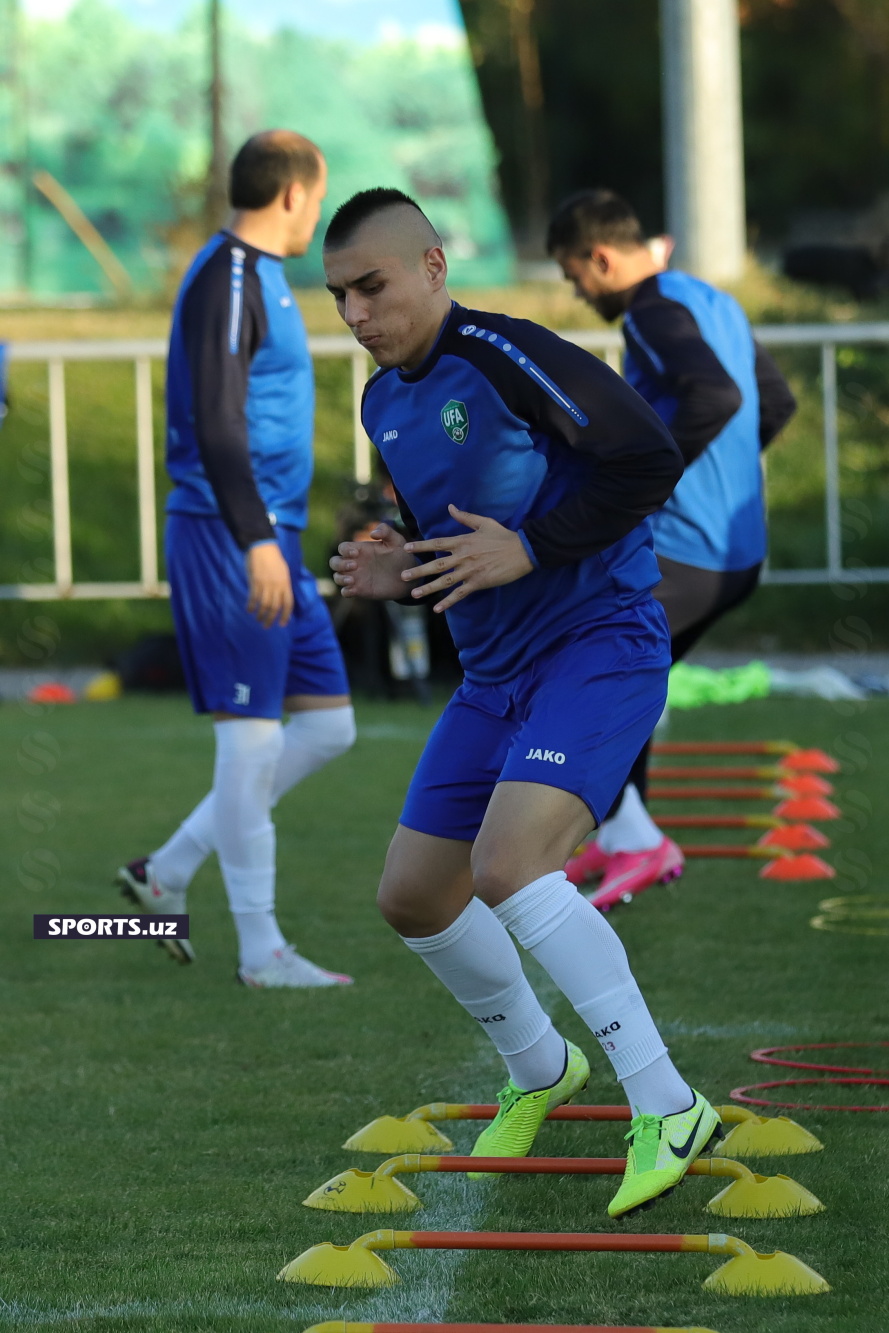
455,419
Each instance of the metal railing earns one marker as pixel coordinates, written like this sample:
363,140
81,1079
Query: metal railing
605,343
141,352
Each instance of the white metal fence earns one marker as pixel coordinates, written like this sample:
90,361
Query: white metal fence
141,353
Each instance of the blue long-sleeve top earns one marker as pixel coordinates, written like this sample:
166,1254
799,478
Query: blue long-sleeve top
240,394
691,354
507,420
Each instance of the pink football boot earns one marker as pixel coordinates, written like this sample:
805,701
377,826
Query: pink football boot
589,863
629,873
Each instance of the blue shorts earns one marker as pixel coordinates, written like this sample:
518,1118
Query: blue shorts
231,663
576,720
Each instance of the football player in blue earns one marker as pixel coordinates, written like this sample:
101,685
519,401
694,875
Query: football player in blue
691,354
255,638
525,471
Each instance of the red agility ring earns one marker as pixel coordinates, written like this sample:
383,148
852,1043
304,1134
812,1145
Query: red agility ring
769,1055
741,1094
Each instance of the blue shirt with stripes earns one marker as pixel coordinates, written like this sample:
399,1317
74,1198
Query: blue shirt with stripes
691,355
506,420
240,394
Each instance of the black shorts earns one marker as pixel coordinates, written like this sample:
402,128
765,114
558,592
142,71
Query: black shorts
694,599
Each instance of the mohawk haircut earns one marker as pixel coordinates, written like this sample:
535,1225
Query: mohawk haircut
366,204
593,217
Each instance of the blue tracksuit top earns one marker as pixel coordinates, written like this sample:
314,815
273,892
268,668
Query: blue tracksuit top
507,420
240,394
691,355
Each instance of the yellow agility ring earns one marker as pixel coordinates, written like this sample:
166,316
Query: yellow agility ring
864,914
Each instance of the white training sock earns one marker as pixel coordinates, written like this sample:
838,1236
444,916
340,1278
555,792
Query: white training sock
311,739
648,1088
479,964
588,963
632,829
180,858
247,754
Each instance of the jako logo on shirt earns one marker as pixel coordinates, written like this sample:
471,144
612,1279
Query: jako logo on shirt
389,435
455,420
551,756
242,693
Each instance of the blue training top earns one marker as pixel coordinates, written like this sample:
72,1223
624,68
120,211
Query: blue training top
691,355
240,394
507,420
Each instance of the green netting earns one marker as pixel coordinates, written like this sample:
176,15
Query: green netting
118,115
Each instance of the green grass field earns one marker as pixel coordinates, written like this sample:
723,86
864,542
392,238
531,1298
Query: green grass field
161,1125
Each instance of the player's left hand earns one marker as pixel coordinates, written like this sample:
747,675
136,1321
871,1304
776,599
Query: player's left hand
487,557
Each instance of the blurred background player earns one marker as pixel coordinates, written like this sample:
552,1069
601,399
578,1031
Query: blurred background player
691,354
255,638
546,571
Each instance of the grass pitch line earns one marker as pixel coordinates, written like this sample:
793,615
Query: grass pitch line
746,1273
381,1191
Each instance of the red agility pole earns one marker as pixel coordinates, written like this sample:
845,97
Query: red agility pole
719,821
725,747
732,851
348,1326
781,861
746,1273
679,772
791,756
790,837
790,787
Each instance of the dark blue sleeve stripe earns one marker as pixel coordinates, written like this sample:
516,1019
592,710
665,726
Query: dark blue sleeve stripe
534,372
632,328
236,301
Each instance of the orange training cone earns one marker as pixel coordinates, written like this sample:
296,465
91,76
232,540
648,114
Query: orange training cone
810,761
794,838
806,784
805,867
807,808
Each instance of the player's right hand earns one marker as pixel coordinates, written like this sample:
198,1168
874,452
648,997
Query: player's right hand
374,568
271,591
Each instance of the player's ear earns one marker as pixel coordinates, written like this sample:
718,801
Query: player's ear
436,267
600,258
294,197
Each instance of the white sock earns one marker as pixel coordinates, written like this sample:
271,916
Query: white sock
247,754
311,740
180,858
632,829
479,964
588,963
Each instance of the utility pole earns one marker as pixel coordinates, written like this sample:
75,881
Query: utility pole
703,138
217,175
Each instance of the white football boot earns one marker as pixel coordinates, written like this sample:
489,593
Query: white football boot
288,968
138,882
